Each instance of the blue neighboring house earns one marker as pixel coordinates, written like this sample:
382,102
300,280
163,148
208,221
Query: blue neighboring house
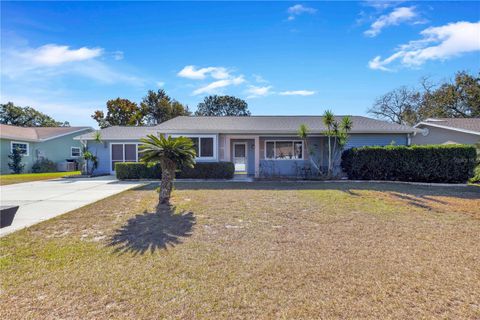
258,145
35,143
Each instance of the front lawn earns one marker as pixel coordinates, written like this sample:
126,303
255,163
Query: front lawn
258,250
29,177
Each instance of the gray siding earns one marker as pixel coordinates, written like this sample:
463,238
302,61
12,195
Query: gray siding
444,136
360,140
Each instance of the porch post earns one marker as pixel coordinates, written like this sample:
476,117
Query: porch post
257,157
227,149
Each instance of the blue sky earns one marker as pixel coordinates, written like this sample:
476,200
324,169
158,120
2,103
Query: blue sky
67,59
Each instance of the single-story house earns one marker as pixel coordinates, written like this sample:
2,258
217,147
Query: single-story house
35,143
258,145
448,131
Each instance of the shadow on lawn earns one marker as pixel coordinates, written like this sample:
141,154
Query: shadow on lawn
422,191
151,231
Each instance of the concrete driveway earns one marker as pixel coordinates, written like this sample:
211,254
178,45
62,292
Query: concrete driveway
43,200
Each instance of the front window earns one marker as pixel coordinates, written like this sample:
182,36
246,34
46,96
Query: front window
21,146
284,150
124,152
204,146
75,152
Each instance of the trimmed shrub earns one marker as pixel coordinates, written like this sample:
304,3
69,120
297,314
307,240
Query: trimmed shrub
202,170
208,170
137,170
428,163
44,165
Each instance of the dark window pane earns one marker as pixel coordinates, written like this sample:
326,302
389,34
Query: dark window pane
22,147
239,150
206,147
130,152
75,152
270,150
139,153
117,152
195,145
298,150
284,150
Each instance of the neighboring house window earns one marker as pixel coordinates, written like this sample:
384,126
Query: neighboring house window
22,146
284,150
204,146
75,152
123,152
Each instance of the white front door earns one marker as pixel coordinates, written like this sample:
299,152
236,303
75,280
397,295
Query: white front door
240,157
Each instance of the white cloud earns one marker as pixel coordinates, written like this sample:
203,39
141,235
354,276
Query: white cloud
438,43
397,16
51,61
118,55
254,91
382,4
299,9
259,79
53,55
216,85
192,72
160,84
297,93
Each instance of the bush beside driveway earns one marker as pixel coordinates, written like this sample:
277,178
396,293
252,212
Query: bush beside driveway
252,250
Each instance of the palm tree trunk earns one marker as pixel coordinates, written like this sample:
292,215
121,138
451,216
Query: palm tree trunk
166,185
329,155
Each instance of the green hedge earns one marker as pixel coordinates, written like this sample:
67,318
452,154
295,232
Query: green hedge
137,170
202,170
428,163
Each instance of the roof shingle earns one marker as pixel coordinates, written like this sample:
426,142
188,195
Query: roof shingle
35,133
470,124
273,124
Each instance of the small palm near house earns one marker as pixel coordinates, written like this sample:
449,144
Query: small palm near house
172,154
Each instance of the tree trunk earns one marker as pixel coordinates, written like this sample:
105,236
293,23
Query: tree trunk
166,185
329,156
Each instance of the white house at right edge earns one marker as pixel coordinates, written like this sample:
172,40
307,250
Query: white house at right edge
448,131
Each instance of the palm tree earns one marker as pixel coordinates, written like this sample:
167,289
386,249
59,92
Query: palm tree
329,122
303,132
171,153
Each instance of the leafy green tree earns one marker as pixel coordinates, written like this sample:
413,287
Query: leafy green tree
15,164
26,117
338,132
459,98
337,138
158,107
91,161
303,132
222,106
171,153
120,112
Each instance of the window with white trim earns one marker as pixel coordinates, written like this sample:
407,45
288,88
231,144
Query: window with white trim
23,147
123,152
75,152
205,146
283,150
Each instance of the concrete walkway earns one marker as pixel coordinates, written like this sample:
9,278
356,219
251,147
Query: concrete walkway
43,200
